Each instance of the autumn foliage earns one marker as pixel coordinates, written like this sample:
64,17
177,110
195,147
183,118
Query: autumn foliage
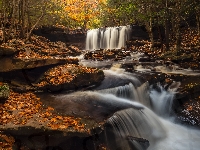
26,109
83,12
64,74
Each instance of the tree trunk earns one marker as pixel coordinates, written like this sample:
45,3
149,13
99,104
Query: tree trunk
33,27
28,17
3,21
177,27
149,27
22,21
198,22
178,40
13,18
39,19
167,26
167,34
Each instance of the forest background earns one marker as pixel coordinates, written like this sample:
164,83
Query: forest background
21,17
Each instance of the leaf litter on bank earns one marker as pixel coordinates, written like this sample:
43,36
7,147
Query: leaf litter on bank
27,109
64,74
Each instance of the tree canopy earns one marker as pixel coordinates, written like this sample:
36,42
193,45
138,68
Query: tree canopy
25,15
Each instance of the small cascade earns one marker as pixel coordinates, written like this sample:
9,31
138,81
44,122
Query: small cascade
107,38
126,91
159,99
143,124
162,100
135,123
129,91
117,76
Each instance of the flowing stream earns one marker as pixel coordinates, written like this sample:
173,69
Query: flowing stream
154,122
139,116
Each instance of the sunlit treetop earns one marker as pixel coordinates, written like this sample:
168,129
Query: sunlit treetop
82,11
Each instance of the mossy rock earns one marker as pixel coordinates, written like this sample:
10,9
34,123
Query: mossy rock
4,91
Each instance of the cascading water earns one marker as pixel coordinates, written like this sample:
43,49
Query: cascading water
114,38
161,133
131,93
107,38
141,124
138,116
162,100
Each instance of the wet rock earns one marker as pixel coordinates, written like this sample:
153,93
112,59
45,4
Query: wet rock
113,54
144,59
42,137
138,143
195,65
63,34
129,67
138,33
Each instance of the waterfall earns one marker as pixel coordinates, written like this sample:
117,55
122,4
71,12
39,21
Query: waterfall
162,100
107,38
114,38
122,37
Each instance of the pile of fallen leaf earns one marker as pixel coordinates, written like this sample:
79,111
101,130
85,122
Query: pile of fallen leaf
6,142
190,39
64,74
27,109
40,47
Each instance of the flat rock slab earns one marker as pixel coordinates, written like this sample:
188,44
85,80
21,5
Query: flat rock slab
10,64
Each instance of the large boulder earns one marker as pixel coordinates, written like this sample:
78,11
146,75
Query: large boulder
37,126
69,77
